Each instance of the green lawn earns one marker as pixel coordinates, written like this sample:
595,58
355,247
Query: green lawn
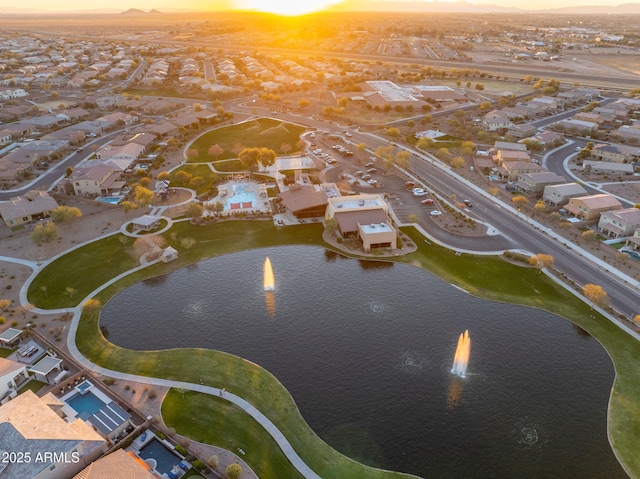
4,352
83,270
487,277
32,385
241,431
228,166
194,170
264,132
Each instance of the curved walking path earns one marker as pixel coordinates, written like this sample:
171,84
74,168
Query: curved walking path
263,420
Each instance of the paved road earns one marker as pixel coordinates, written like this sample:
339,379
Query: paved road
57,171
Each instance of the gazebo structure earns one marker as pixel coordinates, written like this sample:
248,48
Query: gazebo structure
10,338
146,222
46,369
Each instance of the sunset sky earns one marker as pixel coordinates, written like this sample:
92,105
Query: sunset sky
278,6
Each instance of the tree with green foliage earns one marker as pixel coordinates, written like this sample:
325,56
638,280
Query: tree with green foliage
216,207
182,177
392,132
458,162
402,159
128,205
267,157
142,196
62,214
196,182
233,471
163,176
215,151
542,261
540,206
187,243
194,210
520,201
249,158
44,232
594,293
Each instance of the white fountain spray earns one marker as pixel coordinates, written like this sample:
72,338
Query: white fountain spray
461,358
268,281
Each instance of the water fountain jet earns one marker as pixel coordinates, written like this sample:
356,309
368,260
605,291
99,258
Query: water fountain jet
461,358
268,281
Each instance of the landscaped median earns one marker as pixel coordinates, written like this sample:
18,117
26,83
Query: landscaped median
488,277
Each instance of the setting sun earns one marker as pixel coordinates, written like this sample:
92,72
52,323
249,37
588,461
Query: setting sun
286,7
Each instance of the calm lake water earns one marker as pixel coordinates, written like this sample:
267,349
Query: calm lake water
366,349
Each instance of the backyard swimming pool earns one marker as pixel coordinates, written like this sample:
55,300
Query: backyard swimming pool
85,404
112,200
164,458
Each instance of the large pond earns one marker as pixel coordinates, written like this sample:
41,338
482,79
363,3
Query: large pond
366,350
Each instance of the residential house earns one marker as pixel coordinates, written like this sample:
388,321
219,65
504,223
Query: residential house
589,117
522,131
45,122
589,208
59,449
144,139
97,179
549,104
6,136
496,120
583,128
32,206
548,137
512,169
128,151
508,146
620,223
117,464
117,119
162,129
615,153
12,92
634,241
12,376
537,182
630,133
558,195
605,167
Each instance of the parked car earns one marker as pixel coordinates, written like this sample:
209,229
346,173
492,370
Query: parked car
428,201
419,192
436,213
373,181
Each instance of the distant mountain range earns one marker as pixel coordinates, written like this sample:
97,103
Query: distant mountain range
369,6
465,7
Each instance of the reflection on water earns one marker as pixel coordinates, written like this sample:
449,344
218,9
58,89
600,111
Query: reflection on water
454,395
270,303
371,347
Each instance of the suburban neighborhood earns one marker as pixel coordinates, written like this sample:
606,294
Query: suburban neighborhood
500,158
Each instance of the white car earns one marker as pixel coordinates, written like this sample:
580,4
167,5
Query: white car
436,213
373,182
419,192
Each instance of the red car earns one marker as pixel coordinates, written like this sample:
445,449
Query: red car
428,201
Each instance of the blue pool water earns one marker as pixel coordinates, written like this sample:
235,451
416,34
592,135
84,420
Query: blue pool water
113,200
86,405
240,196
164,458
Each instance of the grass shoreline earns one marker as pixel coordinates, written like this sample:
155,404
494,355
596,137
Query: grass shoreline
480,276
